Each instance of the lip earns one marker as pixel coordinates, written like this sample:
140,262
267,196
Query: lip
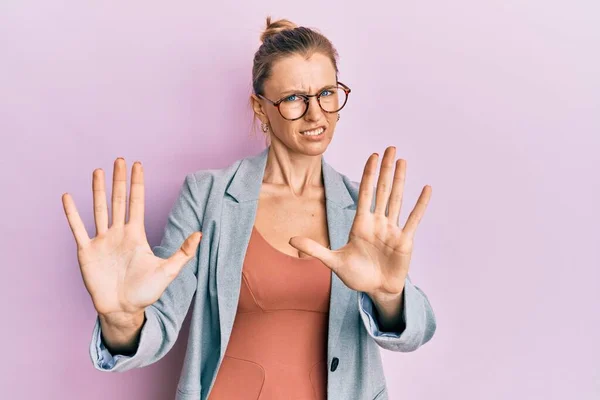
316,127
317,138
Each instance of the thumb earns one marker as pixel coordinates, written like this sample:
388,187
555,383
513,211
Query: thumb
186,252
314,249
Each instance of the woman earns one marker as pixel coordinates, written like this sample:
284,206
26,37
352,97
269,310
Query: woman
300,275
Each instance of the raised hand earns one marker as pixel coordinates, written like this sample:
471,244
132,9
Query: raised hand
119,269
377,256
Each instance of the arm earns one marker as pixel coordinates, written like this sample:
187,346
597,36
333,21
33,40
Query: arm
417,320
121,336
147,338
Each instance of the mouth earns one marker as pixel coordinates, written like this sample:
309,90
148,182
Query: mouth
314,132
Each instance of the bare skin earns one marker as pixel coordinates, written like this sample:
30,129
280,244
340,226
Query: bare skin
281,216
292,197
119,269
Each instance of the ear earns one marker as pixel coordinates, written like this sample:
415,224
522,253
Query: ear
258,109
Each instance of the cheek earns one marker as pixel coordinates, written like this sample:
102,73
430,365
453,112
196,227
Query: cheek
332,123
277,123
284,128
289,127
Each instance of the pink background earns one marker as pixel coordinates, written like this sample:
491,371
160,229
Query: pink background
494,103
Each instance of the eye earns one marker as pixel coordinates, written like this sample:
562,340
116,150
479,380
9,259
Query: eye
326,92
292,97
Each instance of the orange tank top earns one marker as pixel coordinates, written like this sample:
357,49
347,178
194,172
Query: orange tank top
278,345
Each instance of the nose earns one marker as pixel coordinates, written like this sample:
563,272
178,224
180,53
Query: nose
314,111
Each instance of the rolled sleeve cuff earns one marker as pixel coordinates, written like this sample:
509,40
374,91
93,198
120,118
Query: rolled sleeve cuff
417,317
102,358
368,309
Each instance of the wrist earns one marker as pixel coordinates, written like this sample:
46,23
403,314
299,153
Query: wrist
122,320
385,298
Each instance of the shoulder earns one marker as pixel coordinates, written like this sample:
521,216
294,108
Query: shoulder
209,178
215,181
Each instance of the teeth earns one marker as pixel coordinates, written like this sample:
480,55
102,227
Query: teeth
314,132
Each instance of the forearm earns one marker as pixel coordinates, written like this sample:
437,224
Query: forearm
121,334
389,311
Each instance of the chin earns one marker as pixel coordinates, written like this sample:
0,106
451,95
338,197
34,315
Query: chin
314,151
314,148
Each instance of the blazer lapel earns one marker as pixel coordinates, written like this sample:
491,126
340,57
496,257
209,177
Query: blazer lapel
238,217
340,216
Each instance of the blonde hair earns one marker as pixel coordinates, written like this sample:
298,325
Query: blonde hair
273,28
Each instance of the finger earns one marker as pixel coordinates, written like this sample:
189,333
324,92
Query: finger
77,227
100,207
136,195
315,249
417,213
186,252
119,192
397,191
365,189
384,182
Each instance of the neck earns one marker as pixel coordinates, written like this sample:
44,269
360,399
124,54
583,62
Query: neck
295,171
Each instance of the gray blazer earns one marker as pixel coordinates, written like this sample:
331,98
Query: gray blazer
222,204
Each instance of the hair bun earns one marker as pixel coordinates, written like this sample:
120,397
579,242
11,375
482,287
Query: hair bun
273,28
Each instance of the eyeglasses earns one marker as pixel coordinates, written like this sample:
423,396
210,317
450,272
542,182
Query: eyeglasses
295,106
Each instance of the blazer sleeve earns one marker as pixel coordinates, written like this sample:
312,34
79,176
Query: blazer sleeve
165,317
417,314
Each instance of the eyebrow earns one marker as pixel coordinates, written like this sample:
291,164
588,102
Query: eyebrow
298,91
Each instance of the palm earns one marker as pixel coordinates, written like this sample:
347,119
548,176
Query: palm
120,272
372,257
377,256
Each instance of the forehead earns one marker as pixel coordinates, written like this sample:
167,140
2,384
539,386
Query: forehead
299,73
